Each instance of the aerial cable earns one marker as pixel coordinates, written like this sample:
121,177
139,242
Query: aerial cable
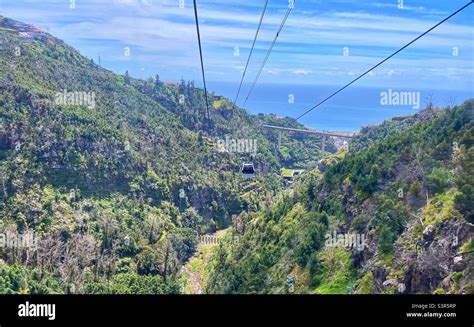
290,8
202,62
386,59
251,49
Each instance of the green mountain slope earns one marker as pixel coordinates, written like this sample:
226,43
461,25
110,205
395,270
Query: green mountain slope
114,175
408,193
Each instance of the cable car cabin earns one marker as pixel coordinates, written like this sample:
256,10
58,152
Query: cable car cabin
248,170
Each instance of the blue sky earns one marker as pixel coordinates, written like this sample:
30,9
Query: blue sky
162,39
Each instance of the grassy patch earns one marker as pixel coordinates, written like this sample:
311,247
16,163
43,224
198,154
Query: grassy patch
366,284
440,208
335,273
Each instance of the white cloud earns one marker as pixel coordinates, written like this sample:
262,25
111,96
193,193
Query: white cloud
163,35
301,71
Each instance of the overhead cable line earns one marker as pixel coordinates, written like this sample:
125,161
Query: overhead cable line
251,49
290,8
202,63
386,59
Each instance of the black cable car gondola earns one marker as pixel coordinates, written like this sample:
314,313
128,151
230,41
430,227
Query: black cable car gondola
248,170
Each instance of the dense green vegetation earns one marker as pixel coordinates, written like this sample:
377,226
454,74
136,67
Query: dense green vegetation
394,191
117,186
118,190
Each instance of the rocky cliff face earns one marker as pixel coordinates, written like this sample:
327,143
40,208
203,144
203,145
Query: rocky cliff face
438,261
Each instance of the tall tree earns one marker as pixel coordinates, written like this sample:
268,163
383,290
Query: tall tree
127,77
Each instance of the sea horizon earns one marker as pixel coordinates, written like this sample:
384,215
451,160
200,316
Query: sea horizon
351,110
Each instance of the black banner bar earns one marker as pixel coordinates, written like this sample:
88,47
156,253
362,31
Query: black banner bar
410,310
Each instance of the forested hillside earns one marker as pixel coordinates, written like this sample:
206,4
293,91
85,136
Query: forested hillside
406,192
116,177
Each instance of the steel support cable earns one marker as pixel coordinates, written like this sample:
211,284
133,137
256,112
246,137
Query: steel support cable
269,52
202,63
251,49
386,59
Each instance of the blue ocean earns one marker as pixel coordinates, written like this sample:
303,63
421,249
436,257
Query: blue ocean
350,110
